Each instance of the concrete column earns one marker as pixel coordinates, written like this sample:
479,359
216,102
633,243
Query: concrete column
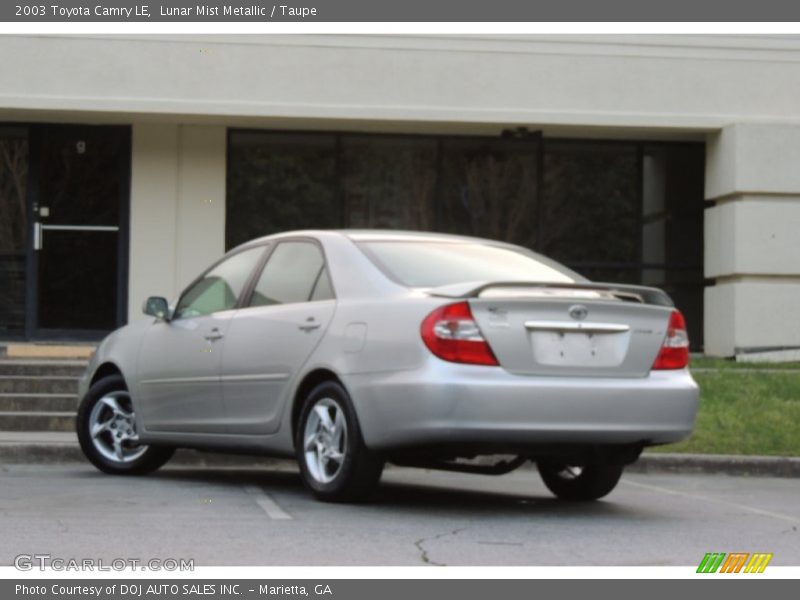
752,241
200,232
154,213
177,207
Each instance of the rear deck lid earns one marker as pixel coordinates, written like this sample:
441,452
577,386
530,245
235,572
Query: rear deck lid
591,330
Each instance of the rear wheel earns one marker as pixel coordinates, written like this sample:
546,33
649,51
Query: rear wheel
579,482
106,427
334,462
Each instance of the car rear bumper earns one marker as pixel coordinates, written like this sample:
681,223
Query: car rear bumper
461,404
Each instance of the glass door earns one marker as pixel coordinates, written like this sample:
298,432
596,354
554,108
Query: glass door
79,223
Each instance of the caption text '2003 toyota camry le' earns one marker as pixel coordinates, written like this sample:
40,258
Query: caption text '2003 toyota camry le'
348,349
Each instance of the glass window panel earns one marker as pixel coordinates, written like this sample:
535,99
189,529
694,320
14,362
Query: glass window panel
77,280
80,179
219,289
489,189
279,182
591,201
290,274
389,182
610,274
628,212
323,289
13,228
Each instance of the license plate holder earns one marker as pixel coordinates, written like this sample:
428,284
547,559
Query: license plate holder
556,347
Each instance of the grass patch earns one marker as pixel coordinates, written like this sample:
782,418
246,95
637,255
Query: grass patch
744,412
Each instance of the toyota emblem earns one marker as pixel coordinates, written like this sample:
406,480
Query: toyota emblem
578,312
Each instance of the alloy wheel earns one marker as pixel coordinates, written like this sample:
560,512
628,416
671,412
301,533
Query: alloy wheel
325,440
112,427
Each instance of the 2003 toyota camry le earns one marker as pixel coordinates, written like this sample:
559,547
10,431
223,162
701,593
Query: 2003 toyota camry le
347,349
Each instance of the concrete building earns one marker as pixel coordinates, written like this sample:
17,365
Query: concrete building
130,163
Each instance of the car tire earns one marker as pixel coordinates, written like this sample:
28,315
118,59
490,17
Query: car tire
335,465
107,411
580,483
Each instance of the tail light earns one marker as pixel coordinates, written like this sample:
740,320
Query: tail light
674,353
451,333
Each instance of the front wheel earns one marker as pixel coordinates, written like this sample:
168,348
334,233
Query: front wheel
334,462
584,482
106,427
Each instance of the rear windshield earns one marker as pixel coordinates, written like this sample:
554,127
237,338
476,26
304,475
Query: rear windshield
432,264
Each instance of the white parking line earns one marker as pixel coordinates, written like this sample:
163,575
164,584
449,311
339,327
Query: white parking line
269,505
752,509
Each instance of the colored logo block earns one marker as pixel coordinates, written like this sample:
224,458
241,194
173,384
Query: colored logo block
735,562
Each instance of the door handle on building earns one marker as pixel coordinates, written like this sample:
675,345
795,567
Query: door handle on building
37,236
38,230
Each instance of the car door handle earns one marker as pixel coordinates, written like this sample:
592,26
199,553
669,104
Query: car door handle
214,335
309,325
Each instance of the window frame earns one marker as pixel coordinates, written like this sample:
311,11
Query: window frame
249,289
265,251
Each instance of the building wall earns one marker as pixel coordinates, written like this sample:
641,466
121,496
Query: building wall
752,237
737,92
154,187
177,207
694,83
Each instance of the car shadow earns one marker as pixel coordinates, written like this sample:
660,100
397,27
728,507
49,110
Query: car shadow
480,502
468,499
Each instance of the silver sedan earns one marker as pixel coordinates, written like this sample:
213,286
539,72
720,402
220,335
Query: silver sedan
347,349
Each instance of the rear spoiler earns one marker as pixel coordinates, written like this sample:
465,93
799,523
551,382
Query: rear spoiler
623,292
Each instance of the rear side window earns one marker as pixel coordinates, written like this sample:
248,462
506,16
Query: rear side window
294,273
432,264
322,290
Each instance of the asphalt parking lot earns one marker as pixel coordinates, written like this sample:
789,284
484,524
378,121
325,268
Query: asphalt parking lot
234,516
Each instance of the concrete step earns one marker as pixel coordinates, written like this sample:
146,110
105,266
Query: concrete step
45,384
46,350
39,447
38,368
37,421
39,394
39,402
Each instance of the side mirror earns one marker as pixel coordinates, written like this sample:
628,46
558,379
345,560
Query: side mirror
157,307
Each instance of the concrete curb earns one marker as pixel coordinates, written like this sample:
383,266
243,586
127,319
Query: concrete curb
728,464
757,466
60,453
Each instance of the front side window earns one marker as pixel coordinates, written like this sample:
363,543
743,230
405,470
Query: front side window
294,273
219,289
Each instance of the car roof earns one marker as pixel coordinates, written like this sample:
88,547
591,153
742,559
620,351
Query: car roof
376,235
389,235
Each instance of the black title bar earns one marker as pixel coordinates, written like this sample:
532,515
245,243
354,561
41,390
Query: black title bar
255,11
